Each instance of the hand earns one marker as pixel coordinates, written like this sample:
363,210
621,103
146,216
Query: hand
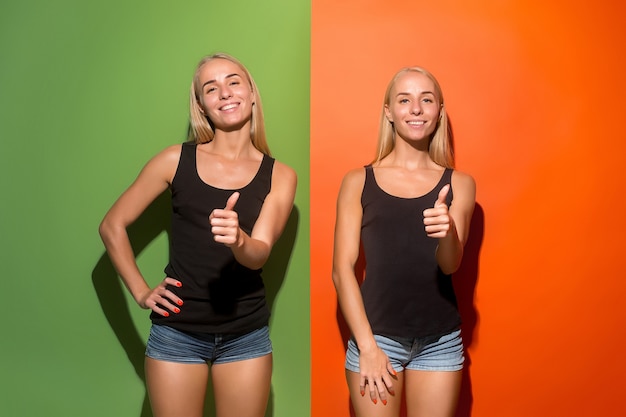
225,223
160,298
376,372
437,221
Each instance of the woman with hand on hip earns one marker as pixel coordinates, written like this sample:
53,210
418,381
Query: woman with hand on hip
230,203
410,211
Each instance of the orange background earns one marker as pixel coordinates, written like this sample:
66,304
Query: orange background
535,93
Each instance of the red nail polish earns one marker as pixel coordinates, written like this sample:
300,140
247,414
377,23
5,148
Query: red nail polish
362,393
176,310
178,284
166,314
375,401
180,303
384,402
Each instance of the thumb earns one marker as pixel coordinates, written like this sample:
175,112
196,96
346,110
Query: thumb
232,200
441,198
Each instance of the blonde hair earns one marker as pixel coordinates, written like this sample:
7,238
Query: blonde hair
440,147
201,129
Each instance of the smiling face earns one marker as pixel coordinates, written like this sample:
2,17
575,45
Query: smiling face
225,95
413,106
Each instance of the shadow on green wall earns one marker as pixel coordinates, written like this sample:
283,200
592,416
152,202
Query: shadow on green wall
111,291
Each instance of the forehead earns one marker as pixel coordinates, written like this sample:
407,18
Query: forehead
413,82
218,68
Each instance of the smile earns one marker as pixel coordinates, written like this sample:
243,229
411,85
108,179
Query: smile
229,106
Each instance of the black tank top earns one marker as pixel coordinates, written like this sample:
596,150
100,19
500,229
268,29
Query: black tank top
404,291
220,295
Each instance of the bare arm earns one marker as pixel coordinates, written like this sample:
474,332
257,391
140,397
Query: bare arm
153,179
451,225
253,250
374,364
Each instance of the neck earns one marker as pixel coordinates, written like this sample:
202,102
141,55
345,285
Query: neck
233,145
410,156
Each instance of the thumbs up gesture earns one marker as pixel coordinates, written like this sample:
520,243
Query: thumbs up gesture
437,221
225,222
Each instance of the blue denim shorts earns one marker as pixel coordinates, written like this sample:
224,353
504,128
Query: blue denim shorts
443,353
171,345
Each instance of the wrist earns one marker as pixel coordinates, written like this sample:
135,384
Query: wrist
239,240
367,345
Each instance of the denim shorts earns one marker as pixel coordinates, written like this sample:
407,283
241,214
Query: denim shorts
171,345
444,353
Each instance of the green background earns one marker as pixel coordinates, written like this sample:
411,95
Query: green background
89,91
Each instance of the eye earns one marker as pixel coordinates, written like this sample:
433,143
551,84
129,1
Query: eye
234,83
210,90
404,100
428,100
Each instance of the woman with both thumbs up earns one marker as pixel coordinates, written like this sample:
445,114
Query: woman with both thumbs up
410,211
230,203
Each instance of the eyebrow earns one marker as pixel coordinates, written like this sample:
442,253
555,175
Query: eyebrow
421,94
228,76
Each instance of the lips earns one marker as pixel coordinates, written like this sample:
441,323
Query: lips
229,106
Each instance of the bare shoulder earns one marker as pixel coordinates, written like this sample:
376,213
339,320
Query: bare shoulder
463,182
164,164
283,176
170,154
284,170
352,187
354,179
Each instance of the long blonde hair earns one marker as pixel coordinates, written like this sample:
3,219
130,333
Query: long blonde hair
201,130
440,147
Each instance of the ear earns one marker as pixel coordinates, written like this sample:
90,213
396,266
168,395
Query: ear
200,107
388,113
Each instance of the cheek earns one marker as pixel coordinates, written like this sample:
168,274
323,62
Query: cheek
395,113
435,114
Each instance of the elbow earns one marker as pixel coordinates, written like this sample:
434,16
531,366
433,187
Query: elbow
255,265
336,277
251,263
449,269
107,230
104,230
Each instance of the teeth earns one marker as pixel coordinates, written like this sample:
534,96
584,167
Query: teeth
229,106
416,123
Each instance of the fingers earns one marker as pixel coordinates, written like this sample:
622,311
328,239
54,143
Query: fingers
388,379
225,222
374,392
437,226
443,194
379,387
163,301
437,220
232,200
228,210
362,384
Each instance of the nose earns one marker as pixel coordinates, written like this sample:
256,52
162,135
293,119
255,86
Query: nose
416,108
225,92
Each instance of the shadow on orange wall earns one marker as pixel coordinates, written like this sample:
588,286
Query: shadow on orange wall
465,280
